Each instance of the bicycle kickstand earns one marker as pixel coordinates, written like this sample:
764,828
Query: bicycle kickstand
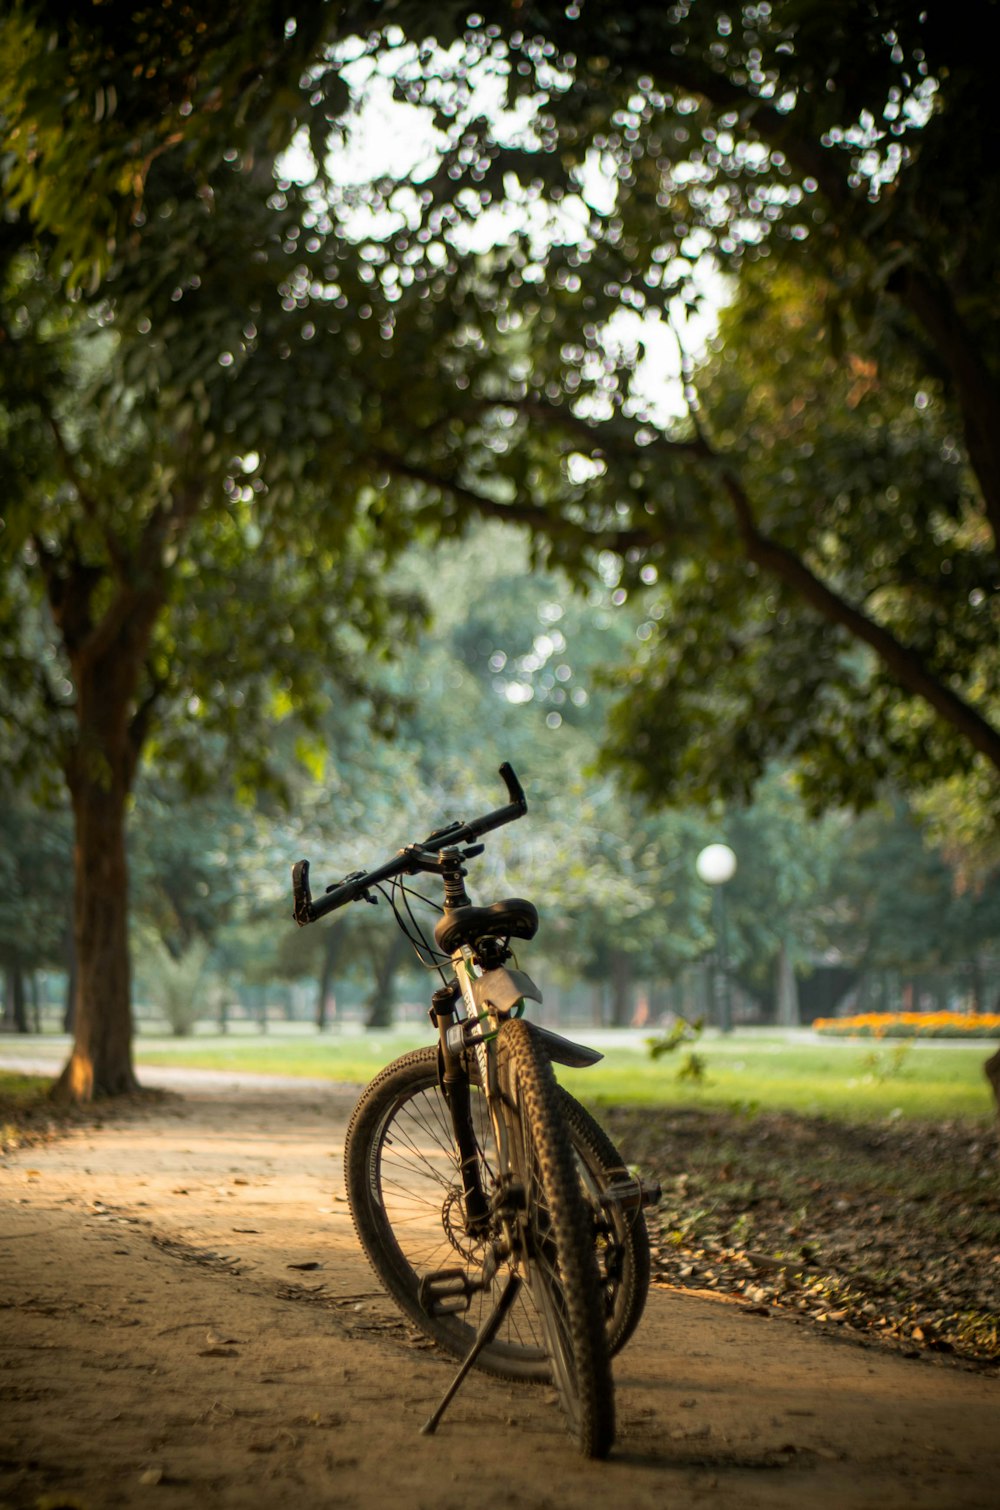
486,1334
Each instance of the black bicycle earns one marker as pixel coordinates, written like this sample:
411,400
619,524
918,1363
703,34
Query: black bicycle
496,1212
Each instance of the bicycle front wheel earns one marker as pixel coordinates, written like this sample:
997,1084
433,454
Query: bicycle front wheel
556,1235
405,1189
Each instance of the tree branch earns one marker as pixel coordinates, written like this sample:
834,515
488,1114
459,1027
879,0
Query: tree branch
905,664
137,602
531,514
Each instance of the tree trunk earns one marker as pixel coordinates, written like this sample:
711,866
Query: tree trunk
787,990
99,771
621,988
101,1061
15,1016
380,1001
331,948
991,1069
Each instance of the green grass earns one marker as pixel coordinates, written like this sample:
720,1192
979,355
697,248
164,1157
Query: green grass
351,1059
23,1099
858,1081
854,1081
20,1092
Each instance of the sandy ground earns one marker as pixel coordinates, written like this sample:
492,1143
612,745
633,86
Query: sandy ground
185,1320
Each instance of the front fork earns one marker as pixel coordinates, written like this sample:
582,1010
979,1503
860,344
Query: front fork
454,1076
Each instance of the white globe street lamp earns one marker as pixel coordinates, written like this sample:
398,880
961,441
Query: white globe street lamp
716,865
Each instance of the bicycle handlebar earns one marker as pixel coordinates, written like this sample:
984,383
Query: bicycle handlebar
407,861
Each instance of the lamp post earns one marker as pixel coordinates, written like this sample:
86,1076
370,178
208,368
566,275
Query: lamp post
715,866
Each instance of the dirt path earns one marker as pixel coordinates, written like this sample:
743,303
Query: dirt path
185,1320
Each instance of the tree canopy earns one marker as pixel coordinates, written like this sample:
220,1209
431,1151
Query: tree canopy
828,496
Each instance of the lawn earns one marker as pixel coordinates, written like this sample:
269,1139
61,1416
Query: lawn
854,1082
745,1071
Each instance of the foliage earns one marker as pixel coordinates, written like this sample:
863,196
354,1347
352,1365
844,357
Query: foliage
99,97
873,494
822,512
893,901
692,1069
679,1032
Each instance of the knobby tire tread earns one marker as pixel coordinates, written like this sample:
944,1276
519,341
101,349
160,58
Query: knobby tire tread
564,1273
634,1261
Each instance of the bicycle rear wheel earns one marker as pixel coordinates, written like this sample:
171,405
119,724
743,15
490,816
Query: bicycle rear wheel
404,1189
556,1235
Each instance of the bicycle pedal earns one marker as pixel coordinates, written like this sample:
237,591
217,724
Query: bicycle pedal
631,1195
448,1292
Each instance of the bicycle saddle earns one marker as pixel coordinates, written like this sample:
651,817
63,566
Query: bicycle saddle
513,918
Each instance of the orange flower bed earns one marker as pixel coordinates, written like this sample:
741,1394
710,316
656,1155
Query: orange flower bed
912,1025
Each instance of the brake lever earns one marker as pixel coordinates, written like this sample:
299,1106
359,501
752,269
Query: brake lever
362,896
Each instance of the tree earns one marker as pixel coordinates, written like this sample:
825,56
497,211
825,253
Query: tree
642,142
116,95
153,541
894,903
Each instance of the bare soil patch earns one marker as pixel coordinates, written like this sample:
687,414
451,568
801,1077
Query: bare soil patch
185,1319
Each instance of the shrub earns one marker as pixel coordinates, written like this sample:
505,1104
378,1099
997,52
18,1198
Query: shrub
911,1025
177,984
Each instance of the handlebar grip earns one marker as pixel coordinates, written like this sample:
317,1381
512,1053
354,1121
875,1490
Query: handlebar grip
514,789
304,911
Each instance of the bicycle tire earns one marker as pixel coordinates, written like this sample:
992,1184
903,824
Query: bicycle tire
556,1234
402,1184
